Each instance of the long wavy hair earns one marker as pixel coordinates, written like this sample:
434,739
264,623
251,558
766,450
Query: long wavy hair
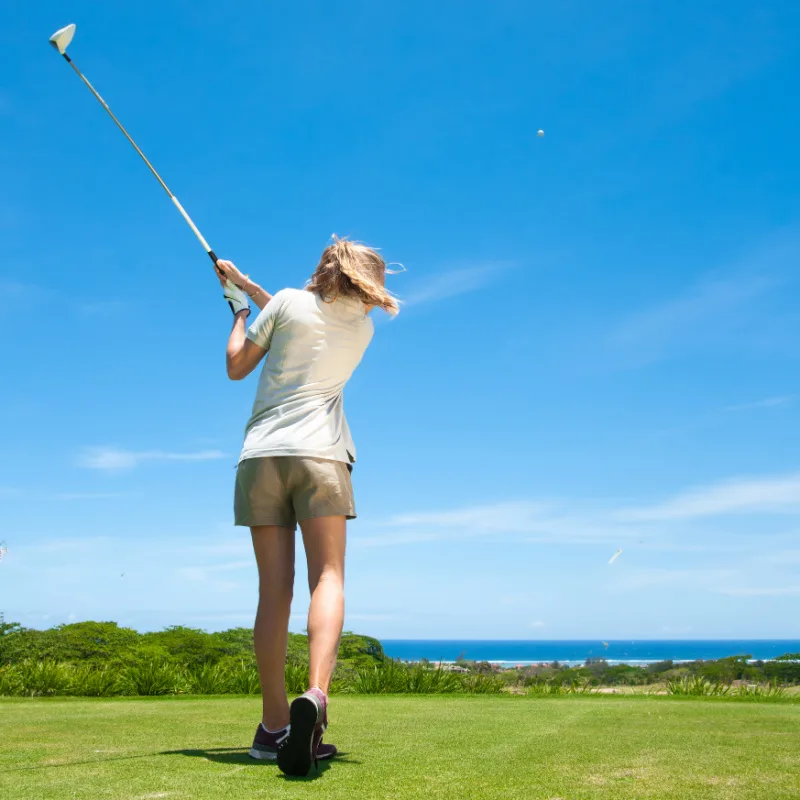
351,269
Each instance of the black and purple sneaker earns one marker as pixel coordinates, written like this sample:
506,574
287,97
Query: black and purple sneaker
265,744
303,746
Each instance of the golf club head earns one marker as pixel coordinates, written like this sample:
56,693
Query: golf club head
61,39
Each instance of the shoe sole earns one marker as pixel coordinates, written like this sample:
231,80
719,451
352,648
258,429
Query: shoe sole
294,754
262,755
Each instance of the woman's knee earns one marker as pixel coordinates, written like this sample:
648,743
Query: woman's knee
280,590
330,576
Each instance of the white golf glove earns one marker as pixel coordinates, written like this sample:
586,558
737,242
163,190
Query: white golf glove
236,298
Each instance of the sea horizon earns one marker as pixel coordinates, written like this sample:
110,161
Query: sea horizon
524,652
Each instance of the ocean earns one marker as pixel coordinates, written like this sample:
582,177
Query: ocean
644,651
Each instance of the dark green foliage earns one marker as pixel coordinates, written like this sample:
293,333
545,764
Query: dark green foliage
659,667
44,678
296,676
725,670
101,659
188,646
393,677
91,681
151,678
244,679
79,642
364,648
11,683
208,679
697,687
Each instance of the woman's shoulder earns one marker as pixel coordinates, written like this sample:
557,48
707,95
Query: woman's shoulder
291,296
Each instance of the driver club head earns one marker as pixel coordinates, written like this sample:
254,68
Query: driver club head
61,38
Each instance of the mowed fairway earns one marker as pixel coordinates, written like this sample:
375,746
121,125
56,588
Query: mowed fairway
402,747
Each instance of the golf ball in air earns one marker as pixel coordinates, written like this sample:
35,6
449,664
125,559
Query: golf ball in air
540,133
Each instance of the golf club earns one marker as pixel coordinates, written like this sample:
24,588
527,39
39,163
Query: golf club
60,40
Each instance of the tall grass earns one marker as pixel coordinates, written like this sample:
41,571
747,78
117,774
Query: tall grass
296,676
482,684
10,681
760,691
45,678
89,681
551,689
243,679
697,687
152,678
208,679
391,677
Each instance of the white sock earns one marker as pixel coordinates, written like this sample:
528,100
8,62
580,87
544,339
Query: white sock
284,728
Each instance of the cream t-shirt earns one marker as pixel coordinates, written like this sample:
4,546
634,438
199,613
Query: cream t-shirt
314,347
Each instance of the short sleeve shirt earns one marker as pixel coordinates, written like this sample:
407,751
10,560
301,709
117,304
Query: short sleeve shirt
313,348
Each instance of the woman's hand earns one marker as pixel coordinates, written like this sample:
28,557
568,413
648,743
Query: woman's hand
227,271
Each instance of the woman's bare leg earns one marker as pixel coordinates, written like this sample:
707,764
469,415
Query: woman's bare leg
324,540
274,549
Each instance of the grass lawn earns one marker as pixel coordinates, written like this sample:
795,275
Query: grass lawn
401,747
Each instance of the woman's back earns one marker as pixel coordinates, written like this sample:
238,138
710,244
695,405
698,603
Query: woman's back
313,348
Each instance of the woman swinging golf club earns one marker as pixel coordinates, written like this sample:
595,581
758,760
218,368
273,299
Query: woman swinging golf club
295,468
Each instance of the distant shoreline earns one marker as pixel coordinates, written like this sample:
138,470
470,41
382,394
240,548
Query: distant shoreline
513,653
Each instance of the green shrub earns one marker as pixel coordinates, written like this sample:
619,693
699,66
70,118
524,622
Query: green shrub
44,678
423,680
697,687
482,684
543,689
90,681
761,691
10,681
244,679
208,679
152,678
296,676
380,679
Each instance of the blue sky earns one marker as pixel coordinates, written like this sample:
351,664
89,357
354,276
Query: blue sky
599,348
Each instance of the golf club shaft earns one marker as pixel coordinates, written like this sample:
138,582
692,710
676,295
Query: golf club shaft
212,255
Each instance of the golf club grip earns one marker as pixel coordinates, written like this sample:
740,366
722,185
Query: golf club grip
213,256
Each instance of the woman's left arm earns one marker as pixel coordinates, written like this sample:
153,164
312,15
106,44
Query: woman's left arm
243,354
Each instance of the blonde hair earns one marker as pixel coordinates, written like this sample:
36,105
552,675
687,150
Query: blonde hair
351,269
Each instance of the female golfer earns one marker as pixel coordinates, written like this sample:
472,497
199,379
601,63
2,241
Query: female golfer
295,468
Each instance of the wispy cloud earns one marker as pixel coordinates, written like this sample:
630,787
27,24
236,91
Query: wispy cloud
89,495
712,311
775,495
443,285
763,591
653,526
782,557
201,573
13,292
742,305
115,459
512,516
767,402
650,578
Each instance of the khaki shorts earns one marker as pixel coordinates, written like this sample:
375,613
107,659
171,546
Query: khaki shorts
283,490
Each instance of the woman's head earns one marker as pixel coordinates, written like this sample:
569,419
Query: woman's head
350,269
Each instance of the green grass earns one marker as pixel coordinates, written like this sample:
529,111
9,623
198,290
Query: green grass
464,747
